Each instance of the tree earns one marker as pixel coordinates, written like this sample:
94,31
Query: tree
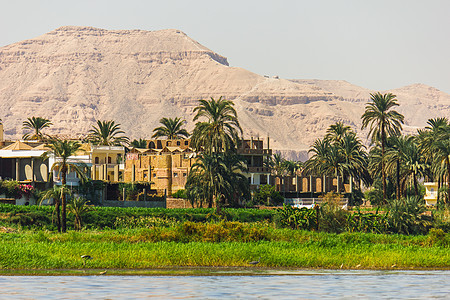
141,143
63,149
220,132
337,131
216,177
78,207
107,133
55,193
434,143
35,124
383,122
172,129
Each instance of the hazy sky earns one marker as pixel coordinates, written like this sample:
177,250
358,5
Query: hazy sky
377,44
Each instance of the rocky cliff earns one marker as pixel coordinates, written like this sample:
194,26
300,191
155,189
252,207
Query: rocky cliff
76,75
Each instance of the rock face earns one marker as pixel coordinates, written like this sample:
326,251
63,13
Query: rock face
77,75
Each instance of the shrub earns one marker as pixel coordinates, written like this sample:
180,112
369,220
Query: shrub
405,216
267,195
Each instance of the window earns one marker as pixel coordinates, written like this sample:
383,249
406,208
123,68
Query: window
96,160
178,143
186,143
109,159
175,174
184,174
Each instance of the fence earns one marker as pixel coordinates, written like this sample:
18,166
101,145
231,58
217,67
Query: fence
310,202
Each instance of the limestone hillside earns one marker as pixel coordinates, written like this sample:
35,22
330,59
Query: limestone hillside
76,75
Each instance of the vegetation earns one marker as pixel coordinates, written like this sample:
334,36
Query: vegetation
141,143
63,149
107,133
218,175
35,125
382,122
171,128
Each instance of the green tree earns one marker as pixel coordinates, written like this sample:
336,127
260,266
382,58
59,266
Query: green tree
141,143
63,149
78,207
172,129
35,125
55,193
434,143
107,133
383,122
220,132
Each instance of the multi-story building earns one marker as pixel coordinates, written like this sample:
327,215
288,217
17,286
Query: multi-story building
256,157
165,167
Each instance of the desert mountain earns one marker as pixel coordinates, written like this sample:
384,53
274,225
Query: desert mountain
77,75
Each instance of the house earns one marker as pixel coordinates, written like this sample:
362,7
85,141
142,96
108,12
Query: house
21,161
164,167
255,155
431,193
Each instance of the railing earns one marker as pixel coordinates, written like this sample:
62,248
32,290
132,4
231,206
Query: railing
255,151
258,169
310,202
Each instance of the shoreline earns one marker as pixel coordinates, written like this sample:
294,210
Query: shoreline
212,271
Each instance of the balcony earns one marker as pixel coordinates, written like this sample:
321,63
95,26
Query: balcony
258,170
247,151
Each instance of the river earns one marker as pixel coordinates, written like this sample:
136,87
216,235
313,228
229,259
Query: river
295,284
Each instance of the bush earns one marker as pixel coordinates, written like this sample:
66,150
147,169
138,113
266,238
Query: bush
267,195
405,216
180,194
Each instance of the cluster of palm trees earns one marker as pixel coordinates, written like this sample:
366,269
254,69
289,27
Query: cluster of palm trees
217,175
396,159
339,154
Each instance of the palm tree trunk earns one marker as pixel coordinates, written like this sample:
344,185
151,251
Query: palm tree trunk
448,182
383,173
58,215
63,199
416,189
398,179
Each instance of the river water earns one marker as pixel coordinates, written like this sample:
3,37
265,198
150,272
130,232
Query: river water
295,285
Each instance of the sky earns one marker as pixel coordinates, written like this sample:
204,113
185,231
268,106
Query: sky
376,44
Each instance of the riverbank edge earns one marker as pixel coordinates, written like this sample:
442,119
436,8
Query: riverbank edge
207,271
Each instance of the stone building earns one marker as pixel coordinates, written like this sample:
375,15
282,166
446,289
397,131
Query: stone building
165,167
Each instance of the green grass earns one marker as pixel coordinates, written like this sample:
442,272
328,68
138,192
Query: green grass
280,248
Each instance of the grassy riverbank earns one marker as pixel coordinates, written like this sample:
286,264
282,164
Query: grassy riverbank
278,248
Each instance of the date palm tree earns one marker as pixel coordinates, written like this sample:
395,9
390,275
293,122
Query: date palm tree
172,129
383,122
35,125
141,143
63,149
55,193
107,133
220,132
434,142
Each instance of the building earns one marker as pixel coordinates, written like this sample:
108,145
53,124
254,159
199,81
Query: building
255,156
107,162
22,162
431,193
164,167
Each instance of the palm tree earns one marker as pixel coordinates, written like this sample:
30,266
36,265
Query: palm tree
35,124
220,132
171,129
63,149
216,177
382,122
434,143
107,133
78,207
55,193
336,132
141,143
